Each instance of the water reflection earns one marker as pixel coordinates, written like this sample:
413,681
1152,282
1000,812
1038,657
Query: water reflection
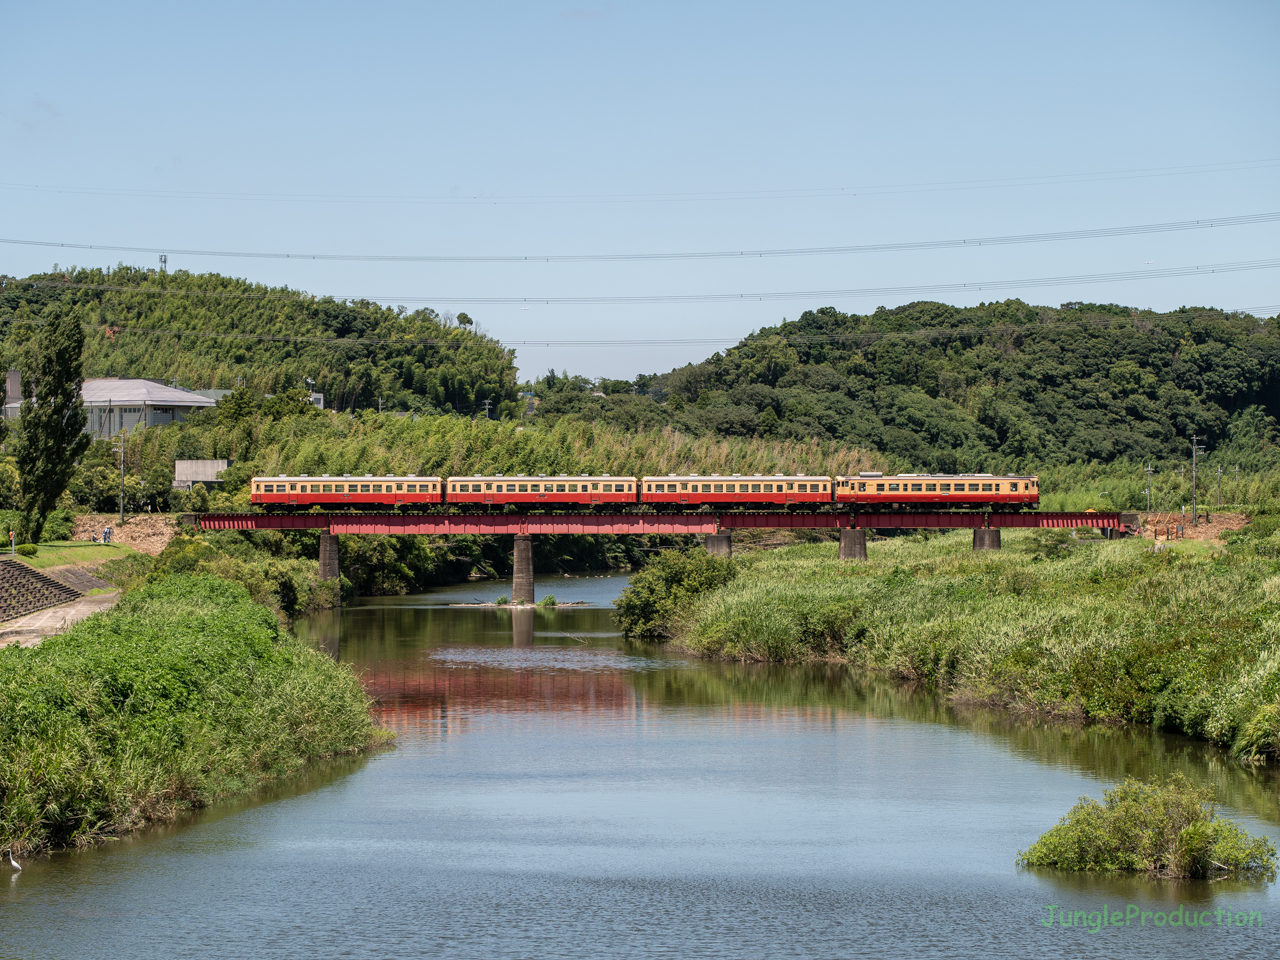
522,626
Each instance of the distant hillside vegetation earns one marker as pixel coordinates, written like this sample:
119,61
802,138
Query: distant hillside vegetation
991,386
211,331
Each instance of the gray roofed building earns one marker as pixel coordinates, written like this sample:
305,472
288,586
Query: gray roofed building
115,404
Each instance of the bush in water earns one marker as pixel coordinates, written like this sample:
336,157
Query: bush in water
662,591
1162,828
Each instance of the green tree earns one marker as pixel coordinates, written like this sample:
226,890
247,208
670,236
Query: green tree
51,427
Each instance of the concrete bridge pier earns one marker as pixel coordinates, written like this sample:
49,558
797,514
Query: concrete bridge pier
853,543
329,556
522,572
984,539
720,544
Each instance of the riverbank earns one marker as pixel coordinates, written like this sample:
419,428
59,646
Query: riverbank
1185,639
186,692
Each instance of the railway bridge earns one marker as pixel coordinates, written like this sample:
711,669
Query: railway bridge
717,528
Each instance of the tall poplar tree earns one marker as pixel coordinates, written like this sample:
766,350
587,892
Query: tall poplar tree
50,437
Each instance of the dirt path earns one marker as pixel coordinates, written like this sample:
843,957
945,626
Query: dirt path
146,532
1218,524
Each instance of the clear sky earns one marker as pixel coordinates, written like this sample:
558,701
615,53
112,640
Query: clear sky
535,128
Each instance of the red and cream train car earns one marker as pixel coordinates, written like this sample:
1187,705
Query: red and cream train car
345,491
733,490
542,491
873,491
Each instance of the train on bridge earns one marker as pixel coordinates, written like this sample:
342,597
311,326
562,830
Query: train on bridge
865,492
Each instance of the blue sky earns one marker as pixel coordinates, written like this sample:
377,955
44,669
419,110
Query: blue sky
494,128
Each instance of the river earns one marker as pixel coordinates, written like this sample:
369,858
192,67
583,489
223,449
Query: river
556,791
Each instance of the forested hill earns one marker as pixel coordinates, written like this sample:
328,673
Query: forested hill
211,331
986,387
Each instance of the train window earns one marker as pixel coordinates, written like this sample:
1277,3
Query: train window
879,488
455,488
651,488
804,487
684,487
1013,487
768,488
573,488
997,488
628,488
413,487
487,486
973,488
791,486
755,488
293,488
257,488
399,487
916,487
730,488
269,488
377,487
946,488
893,488
930,488
364,487
559,488
862,488
717,488
824,488
608,488
533,488
595,487
522,488
986,488
327,488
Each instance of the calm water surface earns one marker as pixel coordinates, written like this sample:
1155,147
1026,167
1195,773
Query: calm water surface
558,792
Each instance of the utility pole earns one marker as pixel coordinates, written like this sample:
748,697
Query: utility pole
164,263
1195,451
1219,486
1148,488
487,405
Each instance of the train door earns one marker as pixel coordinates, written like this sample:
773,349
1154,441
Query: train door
399,493
595,492
293,493
488,493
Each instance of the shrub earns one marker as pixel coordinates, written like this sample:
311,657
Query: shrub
26,549
664,589
503,600
1162,828
548,601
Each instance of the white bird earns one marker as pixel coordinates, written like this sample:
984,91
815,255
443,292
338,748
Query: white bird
12,862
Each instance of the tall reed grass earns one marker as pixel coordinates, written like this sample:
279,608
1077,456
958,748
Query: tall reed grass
1102,630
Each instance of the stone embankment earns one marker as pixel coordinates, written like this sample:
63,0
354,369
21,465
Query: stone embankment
36,604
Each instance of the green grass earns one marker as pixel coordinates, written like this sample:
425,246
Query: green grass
1186,639
66,552
185,692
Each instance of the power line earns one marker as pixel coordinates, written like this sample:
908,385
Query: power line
1231,166
1088,234
811,295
